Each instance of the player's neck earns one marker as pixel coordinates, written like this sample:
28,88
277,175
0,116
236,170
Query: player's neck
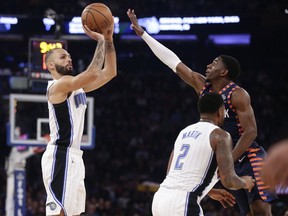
219,85
203,119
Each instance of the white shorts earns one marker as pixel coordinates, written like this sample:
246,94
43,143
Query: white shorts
171,202
63,176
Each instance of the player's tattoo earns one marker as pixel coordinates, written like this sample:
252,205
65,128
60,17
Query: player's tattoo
98,59
109,46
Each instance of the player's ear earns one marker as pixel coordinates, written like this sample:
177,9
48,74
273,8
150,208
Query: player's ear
50,65
224,72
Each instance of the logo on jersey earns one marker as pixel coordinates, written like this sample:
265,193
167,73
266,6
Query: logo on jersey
52,206
79,99
240,160
223,97
227,113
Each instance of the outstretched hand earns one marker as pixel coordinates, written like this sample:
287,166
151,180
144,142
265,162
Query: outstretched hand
223,196
274,170
134,22
92,34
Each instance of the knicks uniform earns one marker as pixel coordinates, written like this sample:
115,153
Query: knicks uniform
193,172
62,164
250,162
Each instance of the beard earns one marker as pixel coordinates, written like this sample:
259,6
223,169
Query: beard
64,70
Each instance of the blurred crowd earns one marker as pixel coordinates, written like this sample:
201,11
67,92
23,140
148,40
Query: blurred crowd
160,7
139,114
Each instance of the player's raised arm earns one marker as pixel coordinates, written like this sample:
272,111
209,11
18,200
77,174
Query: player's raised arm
110,67
169,58
59,63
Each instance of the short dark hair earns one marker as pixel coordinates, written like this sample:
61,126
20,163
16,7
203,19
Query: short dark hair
233,66
210,103
48,54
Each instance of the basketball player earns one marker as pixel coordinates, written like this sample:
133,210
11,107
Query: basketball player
192,170
275,169
62,164
239,116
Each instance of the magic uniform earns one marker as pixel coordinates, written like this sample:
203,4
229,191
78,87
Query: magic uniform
62,164
193,172
250,162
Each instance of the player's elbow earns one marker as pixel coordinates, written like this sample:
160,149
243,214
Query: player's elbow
229,182
114,73
110,73
93,76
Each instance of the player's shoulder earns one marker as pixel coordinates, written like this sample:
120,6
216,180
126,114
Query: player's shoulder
240,90
219,132
65,78
219,137
240,94
62,82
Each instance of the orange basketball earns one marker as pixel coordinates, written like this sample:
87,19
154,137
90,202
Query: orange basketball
97,17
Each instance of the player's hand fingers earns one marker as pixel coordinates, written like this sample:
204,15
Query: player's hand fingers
228,195
223,204
229,199
94,35
251,185
228,202
86,29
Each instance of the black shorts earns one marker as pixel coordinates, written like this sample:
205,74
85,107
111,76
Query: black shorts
250,164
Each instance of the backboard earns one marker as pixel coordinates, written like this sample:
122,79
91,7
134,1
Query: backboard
29,121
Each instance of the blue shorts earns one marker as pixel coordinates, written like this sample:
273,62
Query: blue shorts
250,164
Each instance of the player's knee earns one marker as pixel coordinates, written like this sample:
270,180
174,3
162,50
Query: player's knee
261,208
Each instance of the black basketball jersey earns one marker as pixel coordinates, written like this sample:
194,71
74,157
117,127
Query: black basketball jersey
231,121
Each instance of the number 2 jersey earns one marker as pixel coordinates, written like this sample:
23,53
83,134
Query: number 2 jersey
194,166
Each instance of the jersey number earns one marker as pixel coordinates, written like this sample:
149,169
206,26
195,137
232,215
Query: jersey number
184,151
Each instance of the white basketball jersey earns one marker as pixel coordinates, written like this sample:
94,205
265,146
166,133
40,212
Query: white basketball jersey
194,165
66,120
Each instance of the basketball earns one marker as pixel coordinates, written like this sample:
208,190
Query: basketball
97,17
